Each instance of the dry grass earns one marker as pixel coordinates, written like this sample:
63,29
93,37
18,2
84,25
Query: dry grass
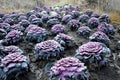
62,2
8,6
115,18
8,11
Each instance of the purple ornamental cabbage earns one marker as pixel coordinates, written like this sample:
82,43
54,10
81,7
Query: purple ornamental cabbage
93,54
52,22
69,68
45,8
104,18
65,40
21,14
84,18
75,14
1,20
89,12
95,15
93,22
32,17
66,8
28,14
118,45
37,9
84,31
36,34
6,16
66,19
1,15
45,18
3,33
71,7
57,9
38,15
5,26
43,12
58,28
14,16
30,27
24,23
63,13
54,14
13,37
111,29
17,27
100,37
12,49
118,28
48,50
77,8
73,24
9,21
106,28
22,18
14,65
37,21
